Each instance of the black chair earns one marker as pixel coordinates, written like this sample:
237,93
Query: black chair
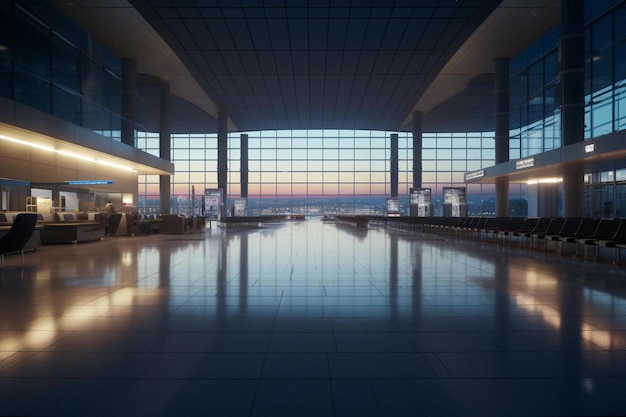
21,230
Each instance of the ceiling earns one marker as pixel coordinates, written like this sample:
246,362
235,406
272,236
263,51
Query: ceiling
298,64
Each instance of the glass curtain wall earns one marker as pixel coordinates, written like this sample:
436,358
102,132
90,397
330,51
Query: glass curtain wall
445,159
320,172
535,87
535,93
48,63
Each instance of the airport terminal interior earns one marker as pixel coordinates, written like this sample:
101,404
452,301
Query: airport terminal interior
313,208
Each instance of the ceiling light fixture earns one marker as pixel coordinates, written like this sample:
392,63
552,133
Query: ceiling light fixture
553,180
65,153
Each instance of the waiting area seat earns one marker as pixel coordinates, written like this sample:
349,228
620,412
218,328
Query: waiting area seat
146,224
582,233
18,236
172,224
68,229
6,222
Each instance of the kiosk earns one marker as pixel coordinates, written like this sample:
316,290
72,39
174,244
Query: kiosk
454,203
420,202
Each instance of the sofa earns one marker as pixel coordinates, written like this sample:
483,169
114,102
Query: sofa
172,224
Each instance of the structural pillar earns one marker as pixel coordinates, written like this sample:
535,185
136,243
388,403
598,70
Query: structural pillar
543,200
244,165
573,99
548,200
502,99
222,159
129,101
165,148
394,165
417,149
574,193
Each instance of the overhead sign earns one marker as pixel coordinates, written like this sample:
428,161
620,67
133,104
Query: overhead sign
525,163
473,175
90,182
590,147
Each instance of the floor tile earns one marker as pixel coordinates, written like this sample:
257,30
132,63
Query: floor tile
107,342
313,319
81,365
187,342
378,365
243,342
206,365
451,342
81,397
354,397
373,342
186,397
293,398
302,342
295,365
509,365
302,325
498,397
20,396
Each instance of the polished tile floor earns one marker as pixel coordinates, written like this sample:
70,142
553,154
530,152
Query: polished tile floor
309,319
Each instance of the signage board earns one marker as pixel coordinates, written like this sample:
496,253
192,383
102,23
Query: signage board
419,195
525,163
239,207
590,147
213,201
393,207
90,182
473,175
454,195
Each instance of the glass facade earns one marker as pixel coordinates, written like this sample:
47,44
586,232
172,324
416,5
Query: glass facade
445,159
535,99
535,95
48,63
320,171
535,86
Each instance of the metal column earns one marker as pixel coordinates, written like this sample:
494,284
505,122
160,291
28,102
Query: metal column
573,100
165,148
502,98
129,101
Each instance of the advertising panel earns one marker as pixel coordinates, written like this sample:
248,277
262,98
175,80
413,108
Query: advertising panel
454,202
454,195
239,207
419,195
420,202
213,203
393,207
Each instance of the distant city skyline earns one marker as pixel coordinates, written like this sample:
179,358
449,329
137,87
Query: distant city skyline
321,205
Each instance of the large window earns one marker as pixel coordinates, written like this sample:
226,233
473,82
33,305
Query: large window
536,92
47,63
318,171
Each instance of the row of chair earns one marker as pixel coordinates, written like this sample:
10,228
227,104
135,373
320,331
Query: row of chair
584,232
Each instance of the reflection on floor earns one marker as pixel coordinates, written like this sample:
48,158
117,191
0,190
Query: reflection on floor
309,319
